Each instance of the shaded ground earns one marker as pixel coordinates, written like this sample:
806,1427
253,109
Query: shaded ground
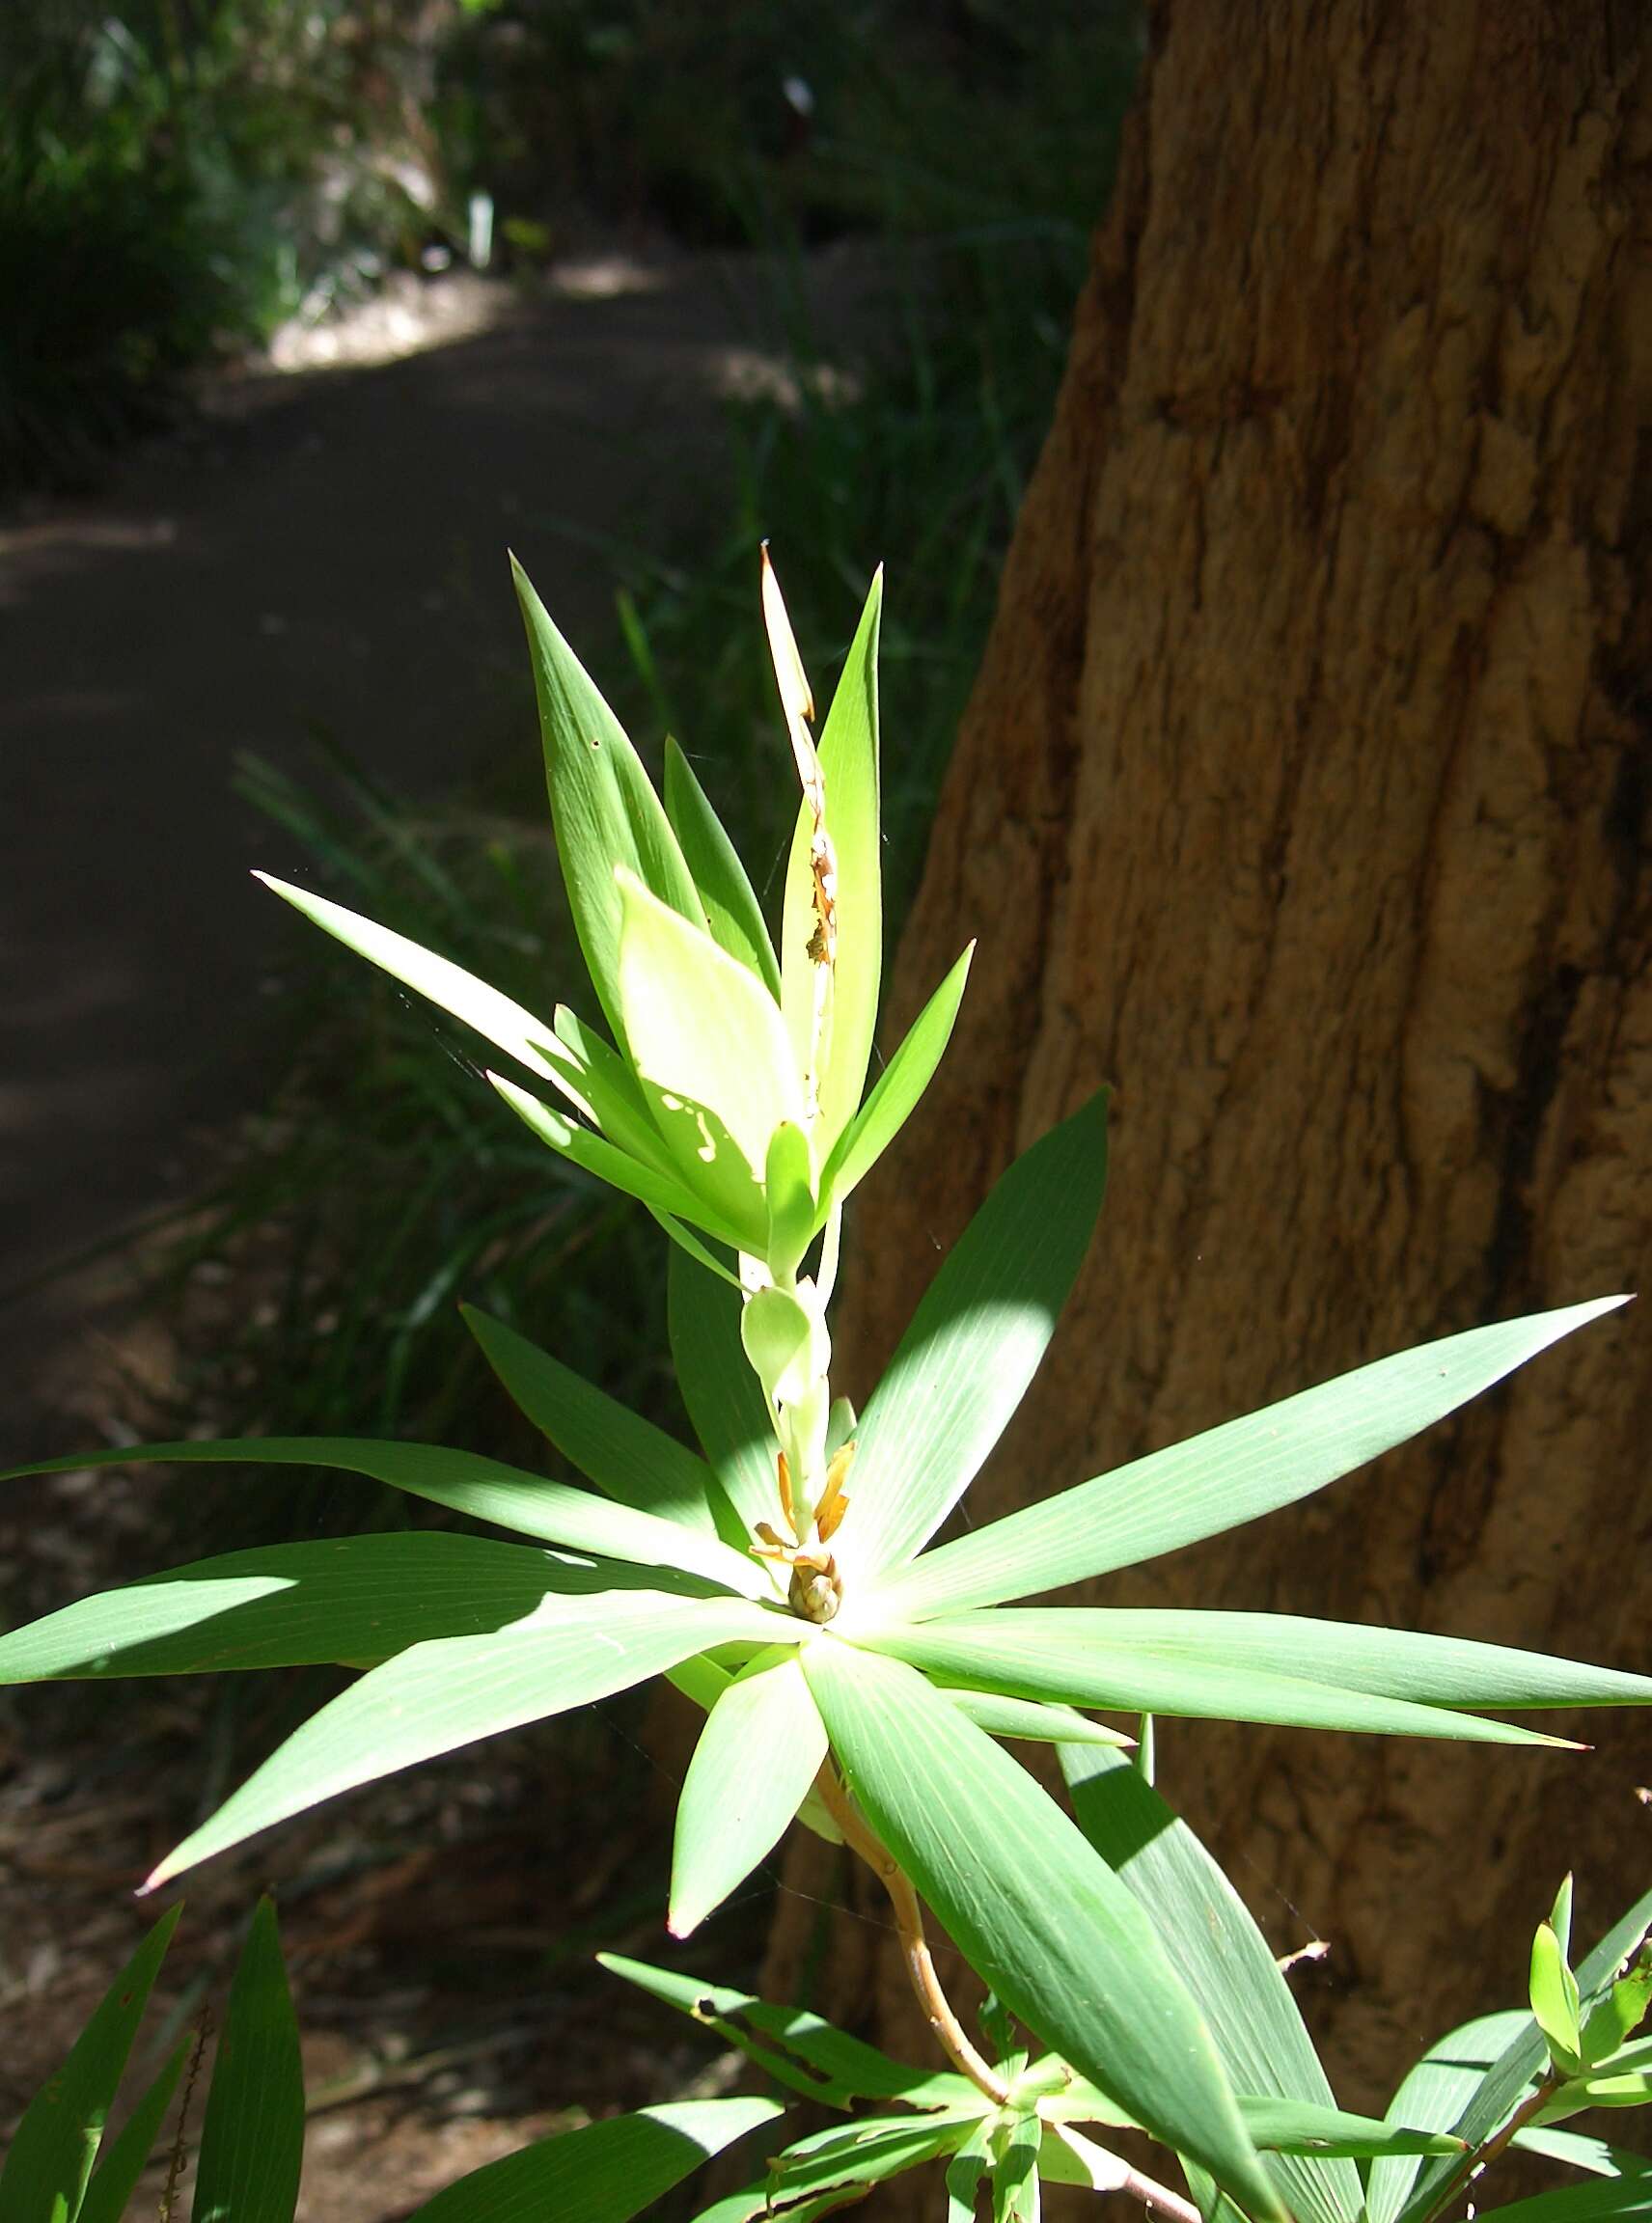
324,553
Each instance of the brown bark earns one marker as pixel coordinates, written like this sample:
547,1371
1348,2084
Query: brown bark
1304,797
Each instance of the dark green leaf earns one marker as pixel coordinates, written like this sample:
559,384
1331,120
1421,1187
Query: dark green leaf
724,1399
252,2140
730,905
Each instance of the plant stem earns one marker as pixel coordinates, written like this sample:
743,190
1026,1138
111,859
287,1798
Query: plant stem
862,1839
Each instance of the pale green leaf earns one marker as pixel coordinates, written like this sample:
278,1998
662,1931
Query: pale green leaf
1232,1474
848,755
725,893
1221,1955
759,1751
1604,2200
624,1455
125,2158
350,1600
974,1344
495,1017
898,1088
1620,2010
1032,1908
49,2161
1024,1719
850,2155
596,1155
709,1038
1299,2129
466,1482
612,1093
788,1182
252,2140
1579,2151
440,1697
1434,2094
605,2172
797,2048
723,1400
1047,1654
964,2174
603,808
1554,1999
1015,2175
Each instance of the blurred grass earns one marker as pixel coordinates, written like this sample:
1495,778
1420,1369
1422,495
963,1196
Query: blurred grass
386,1182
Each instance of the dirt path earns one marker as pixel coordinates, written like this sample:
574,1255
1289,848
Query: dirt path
329,555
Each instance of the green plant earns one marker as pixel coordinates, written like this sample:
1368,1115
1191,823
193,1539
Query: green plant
854,1674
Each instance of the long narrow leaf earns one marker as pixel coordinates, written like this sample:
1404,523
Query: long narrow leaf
795,2047
1434,2094
51,2153
440,1697
350,1600
1230,1476
897,1087
624,1455
1601,2200
724,1399
850,764
974,1344
603,808
1024,1719
730,905
1046,1655
759,1751
252,2140
126,2158
484,1487
1035,1912
1221,1955
606,2173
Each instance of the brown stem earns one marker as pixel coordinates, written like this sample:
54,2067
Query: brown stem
1483,2156
862,1839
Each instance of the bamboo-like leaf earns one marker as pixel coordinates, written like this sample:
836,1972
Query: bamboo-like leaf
613,1094
849,2158
1577,2150
730,905
723,1400
485,1489
897,1089
848,754
605,2172
1604,2200
440,1697
703,1030
1047,1654
759,1751
789,1185
603,808
964,2174
530,1041
1298,2127
1497,2092
252,2139
596,1155
1619,2008
126,2158
1030,1722
1232,1474
49,2162
1434,2094
974,1344
351,1600
1015,2176
1035,1912
797,2048
624,1455
1221,1955
1554,1999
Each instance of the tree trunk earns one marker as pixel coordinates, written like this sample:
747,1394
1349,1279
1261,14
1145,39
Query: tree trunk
1303,797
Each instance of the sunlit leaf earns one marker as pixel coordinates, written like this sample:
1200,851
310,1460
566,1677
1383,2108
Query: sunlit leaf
485,1489
123,2159
603,808
759,1751
1232,1474
721,1391
52,2150
1024,1719
1221,1955
974,1344
1555,1998
1015,2176
1035,1912
440,1697
730,905
605,2172
252,2140
848,754
624,1455
900,1084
